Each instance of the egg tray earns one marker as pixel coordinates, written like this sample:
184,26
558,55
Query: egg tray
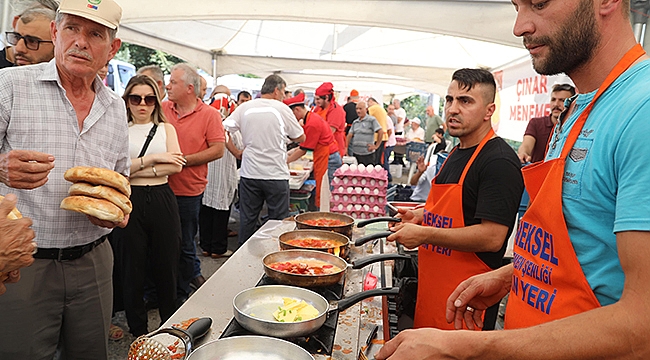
360,214
357,181
358,199
381,174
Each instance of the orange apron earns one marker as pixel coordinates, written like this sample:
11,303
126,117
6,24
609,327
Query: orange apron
548,282
440,269
321,159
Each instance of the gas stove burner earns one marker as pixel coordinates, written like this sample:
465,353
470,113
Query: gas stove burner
321,341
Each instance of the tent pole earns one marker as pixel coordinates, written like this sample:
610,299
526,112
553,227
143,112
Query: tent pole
215,56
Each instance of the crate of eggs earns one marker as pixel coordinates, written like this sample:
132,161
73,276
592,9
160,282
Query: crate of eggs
359,191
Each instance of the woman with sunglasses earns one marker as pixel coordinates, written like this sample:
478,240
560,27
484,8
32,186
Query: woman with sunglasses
151,240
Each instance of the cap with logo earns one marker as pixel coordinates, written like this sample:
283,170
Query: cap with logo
104,12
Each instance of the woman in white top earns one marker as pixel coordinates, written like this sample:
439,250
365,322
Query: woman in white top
151,240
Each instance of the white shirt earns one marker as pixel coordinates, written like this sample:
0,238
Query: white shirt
413,134
391,138
264,125
400,113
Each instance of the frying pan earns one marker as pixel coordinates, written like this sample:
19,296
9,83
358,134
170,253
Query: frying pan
317,280
342,229
340,246
262,301
250,347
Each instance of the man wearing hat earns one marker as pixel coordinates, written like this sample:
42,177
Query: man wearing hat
332,113
319,139
415,133
61,110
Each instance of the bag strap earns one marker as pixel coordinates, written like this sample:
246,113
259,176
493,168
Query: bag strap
152,132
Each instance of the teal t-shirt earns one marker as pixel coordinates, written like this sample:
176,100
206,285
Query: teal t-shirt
606,185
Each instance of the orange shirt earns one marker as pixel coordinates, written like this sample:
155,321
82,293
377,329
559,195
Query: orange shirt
196,131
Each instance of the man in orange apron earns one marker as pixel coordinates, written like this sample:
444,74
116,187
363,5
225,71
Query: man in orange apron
332,113
471,207
579,283
319,139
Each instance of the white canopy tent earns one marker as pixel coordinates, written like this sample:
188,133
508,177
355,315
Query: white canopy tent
414,44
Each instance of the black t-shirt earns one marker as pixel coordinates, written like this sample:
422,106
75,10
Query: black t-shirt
492,188
3,59
350,114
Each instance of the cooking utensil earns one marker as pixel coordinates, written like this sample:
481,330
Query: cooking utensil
364,239
364,349
340,243
363,223
253,308
345,229
250,347
146,347
316,280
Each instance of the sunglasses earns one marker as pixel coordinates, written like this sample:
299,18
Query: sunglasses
32,43
135,100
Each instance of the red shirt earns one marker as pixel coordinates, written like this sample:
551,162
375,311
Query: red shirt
317,132
335,117
540,128
196,131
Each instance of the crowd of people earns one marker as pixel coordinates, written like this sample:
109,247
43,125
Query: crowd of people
577,284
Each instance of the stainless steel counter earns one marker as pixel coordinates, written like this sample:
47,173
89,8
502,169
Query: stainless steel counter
244,269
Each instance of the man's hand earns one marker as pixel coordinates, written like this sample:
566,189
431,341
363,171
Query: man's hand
410,216
524,158
371,147
407,234
16,238
25,169
9,277
422,167
428,344
108,224
471,297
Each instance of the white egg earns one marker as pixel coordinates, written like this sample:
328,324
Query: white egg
350,190
381,183
355,181
366,207
353,198
353,167
375,191
362,198
357,207
349,207
373,182
366,191
335,197
364,181
375,208
336,180
358,190
340,207
378,168
361,168
341,189
345,167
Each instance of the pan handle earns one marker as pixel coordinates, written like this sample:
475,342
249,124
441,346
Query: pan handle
363,223
359,263
362,240
351,300
199,328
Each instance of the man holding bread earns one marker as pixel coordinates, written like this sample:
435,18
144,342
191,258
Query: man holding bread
61,110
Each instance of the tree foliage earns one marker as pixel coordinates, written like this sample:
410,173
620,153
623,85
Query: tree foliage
415,106
141,56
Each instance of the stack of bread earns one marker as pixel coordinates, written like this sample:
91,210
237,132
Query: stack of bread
13,215
98,192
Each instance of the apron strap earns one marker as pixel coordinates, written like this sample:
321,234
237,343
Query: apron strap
628,59
487,137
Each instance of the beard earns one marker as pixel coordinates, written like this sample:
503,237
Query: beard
572,45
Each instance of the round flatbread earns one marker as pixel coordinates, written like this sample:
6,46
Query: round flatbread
14,214
98,176
99,208
102,192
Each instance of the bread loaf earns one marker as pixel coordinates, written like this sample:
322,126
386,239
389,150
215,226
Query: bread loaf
14,214
99,208
99,176
102,192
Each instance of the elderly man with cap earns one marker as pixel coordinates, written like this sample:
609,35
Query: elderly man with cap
332,113
319,139
415,133
61,110
360,138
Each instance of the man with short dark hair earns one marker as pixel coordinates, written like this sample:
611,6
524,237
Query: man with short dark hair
243,96
470,212
31,40
202,138
579,284
61,110
533,147
350,109
265,124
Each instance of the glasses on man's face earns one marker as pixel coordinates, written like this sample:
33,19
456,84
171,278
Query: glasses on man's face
32,43
135,100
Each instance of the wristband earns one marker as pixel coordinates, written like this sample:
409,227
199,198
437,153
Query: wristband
155,173
141,163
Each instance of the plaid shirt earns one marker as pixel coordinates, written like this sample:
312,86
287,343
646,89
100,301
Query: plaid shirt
35,114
